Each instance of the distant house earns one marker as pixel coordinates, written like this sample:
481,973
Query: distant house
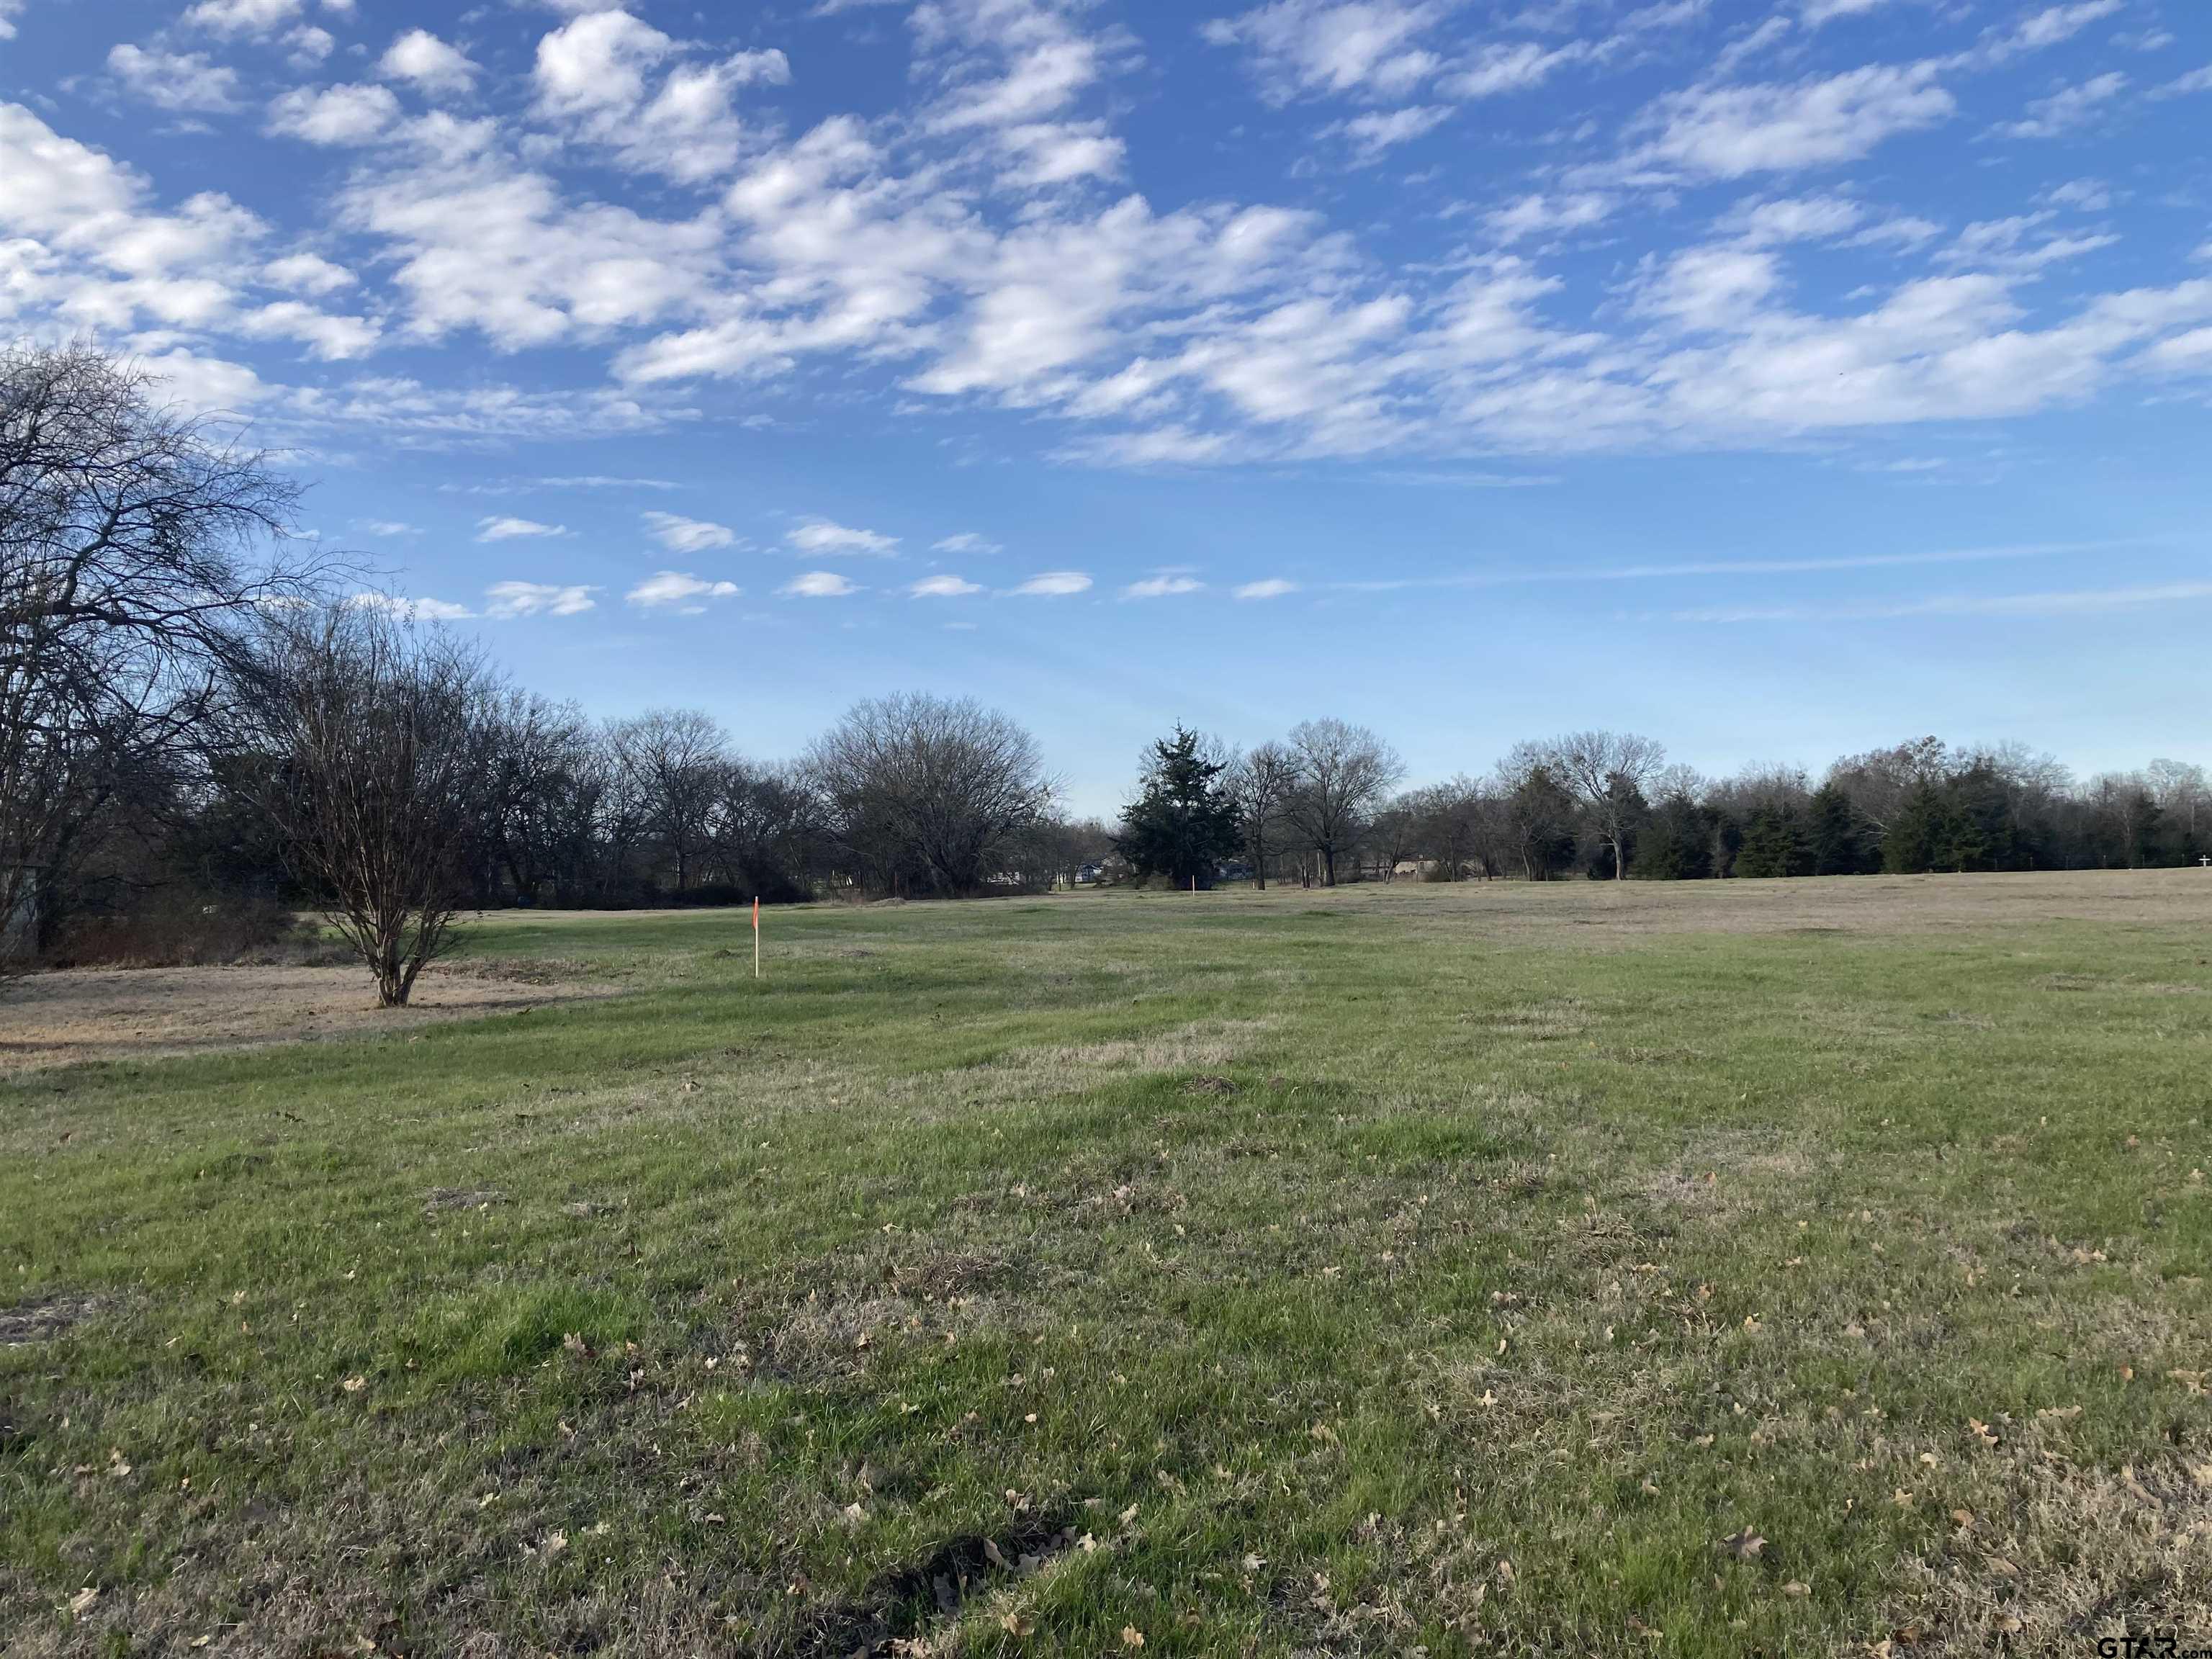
1090,875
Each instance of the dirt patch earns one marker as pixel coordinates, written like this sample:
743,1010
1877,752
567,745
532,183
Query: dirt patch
73,1015
44,1319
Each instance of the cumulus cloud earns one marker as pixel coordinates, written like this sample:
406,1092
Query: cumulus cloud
502,527
1056,584
682,535
334,115
679,589
508,599
820,536
819,584
177,81
609,79
942,587
434,65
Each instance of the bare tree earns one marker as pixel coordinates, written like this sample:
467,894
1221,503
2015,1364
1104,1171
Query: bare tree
676,759
136,549
383,736
1344,773
926,792
1607,771
1448,823
2182,794
1260,783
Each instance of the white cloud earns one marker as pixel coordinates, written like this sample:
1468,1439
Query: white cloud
334,115
1817,12
1161,587
1498,69
1373,134
819,584
595,81
2049,26
1273,588
234,17
1368,48
1056,584
1731,132
8,11
434,65
174,80
2065,109
309,273
682,535
523,598
676,588
409,610
942,587
307,47
966,541
820,536
1541,214
386,527
2194,81
500,527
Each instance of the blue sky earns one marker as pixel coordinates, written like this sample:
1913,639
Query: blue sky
1776,379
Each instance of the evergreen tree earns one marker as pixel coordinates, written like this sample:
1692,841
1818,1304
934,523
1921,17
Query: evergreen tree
1839,842
1775,843
1183,822
1677,842
1924,836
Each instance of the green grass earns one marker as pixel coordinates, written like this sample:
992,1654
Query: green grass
1316,1274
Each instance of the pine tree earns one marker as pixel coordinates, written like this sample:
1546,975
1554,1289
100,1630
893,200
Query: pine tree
1923,838
1182,822
1840,841
1774,844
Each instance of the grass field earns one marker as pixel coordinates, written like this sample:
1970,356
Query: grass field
1766,1268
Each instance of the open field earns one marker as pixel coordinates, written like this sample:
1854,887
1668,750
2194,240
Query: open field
1758,1268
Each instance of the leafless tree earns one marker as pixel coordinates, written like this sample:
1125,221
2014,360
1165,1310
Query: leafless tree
1607,771
1881,780
1260,783
676,760
2182,794
923,792
137,547
1448,824
1345,773
383,734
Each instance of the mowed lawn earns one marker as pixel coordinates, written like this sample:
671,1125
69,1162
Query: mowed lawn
1766,1268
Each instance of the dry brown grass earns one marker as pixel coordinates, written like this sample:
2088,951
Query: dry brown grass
77,1014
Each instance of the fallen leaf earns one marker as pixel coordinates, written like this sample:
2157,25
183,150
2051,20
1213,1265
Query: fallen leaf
83,1599
1794,1588
1131,1637
1014,1624
355,1384
1743,1546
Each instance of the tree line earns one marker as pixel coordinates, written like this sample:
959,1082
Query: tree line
1323,804
201,729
